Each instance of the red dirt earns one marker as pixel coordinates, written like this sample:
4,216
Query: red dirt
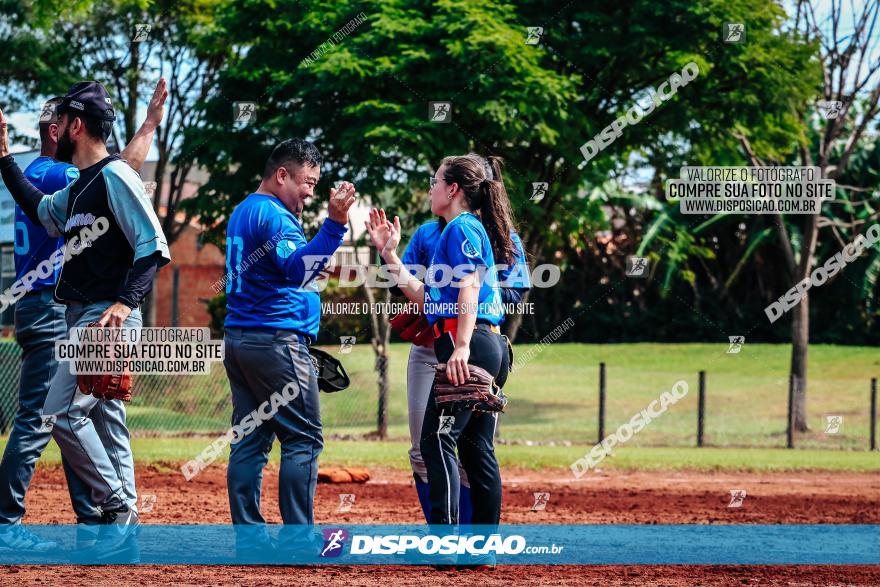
631,498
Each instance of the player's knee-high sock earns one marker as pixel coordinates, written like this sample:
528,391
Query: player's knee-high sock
465,508
422,489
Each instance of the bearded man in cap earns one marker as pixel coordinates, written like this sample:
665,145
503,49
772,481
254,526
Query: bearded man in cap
103,280
39,323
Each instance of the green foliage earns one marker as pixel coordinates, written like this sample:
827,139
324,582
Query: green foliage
37,62
363,98
216,307
365,101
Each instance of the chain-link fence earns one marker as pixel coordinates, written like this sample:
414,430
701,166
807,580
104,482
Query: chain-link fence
163,406
10,369
191,405
185,405
554,398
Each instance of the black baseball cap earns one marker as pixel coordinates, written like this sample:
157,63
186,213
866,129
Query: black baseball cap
88,99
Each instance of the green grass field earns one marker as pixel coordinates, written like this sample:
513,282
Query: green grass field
553,398
165,452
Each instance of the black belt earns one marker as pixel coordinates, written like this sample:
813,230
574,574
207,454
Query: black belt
445,325
277,333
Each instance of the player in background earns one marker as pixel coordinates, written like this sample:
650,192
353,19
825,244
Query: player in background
273,315
39,322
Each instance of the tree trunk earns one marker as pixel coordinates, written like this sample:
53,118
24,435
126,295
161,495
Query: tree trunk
148,306
381,338
800,326
133,75
381,331
382,412
800,338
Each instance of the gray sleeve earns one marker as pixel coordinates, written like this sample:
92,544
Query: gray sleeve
134,212
52,211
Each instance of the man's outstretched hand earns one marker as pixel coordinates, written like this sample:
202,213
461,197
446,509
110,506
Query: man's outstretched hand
135,152
156,107
340,202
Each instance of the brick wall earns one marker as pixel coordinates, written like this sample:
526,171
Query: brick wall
198,268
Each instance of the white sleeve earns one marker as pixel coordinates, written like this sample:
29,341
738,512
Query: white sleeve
52,211
134,212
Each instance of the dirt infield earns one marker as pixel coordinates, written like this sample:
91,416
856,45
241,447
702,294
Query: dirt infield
632,498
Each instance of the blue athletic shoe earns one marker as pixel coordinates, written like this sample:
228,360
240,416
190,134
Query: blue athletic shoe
477,561
17,538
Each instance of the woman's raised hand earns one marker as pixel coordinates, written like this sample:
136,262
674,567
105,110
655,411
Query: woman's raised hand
384,234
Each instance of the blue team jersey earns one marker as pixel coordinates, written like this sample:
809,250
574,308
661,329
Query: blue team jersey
271,268
516,275
423,243
33,244
463,248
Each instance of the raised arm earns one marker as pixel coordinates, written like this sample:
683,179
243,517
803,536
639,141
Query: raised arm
317,252
386,237
137,149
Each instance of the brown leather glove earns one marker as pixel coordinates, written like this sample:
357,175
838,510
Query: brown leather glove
478,393
106,386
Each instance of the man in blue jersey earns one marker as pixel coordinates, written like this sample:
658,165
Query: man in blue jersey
273,312
85,425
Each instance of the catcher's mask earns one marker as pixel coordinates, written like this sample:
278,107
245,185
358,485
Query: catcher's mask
331,374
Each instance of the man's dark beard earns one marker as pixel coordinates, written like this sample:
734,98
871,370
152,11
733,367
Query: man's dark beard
64,152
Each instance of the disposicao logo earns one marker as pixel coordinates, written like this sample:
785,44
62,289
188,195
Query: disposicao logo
477,544
334,540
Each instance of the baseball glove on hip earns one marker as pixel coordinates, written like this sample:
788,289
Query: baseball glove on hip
106,386
478,393
413,327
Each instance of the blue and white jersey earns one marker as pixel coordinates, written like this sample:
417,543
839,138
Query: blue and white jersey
516,275
271,268
32,243
423,243
463,248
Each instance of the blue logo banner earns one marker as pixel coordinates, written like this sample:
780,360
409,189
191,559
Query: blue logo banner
733,544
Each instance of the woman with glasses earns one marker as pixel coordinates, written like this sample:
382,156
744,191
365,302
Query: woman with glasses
514,281
468,194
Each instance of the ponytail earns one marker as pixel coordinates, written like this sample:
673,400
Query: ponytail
483,187
496,216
